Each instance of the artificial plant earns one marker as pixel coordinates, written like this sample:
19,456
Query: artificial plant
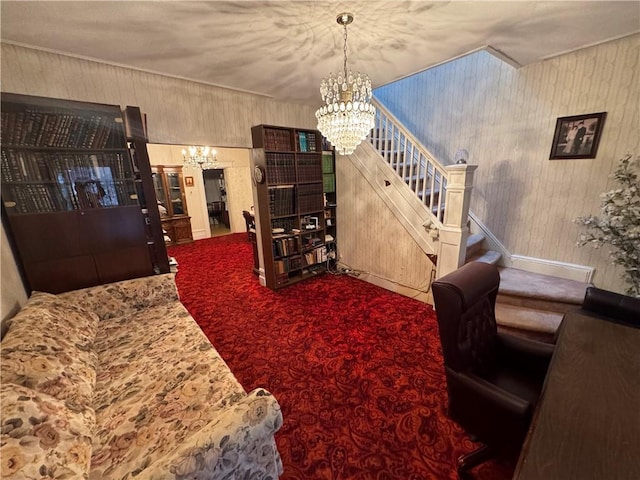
618,225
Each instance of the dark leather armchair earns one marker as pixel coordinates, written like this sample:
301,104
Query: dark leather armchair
493,379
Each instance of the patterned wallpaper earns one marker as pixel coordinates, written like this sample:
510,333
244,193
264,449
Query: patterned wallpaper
506,118
178,111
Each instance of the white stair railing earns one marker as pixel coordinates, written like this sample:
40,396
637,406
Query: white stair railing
424,175
445,191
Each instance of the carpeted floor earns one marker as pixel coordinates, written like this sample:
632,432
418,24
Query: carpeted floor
356,369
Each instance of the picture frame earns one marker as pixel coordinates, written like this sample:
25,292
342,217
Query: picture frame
188,181
577,136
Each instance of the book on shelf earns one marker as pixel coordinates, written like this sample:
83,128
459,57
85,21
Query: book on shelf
286,265
317,255
329,183
327,162
280,168
311,141
282,200
285,247
277,139
42,128
309,169
310,198
302,141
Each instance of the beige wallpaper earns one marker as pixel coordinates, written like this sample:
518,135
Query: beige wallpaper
178,111
505,118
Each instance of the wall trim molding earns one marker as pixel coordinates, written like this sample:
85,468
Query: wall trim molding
201,233
554,268
569,271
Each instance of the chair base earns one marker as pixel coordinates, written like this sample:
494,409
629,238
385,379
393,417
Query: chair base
473,459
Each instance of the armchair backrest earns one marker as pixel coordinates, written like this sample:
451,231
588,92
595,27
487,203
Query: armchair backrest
249,219
465,306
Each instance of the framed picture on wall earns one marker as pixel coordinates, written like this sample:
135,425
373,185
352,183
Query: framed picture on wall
188,181
577,136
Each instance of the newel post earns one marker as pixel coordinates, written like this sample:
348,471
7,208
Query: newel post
455,231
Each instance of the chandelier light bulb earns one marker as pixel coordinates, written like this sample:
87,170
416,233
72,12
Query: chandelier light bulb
204,158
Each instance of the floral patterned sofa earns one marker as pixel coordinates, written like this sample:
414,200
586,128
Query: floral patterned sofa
118,381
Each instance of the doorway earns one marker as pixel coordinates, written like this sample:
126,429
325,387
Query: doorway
216,197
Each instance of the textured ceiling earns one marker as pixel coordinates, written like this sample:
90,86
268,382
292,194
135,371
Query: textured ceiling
284,48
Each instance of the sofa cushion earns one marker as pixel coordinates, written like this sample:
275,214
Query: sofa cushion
41,438
120,299
49,347
159,381
82,321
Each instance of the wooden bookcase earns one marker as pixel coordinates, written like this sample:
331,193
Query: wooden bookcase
291,203
74,186
169,186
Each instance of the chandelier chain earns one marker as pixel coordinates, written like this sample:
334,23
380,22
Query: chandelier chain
345,50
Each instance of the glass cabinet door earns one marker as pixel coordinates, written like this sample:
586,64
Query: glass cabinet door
175,193
169,188
161,196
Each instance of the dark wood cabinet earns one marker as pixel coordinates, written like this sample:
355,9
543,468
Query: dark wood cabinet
172,204
289,188
72,194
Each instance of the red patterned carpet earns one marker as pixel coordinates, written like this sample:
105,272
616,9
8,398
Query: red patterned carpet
356,369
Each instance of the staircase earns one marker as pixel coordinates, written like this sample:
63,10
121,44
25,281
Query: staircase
528,304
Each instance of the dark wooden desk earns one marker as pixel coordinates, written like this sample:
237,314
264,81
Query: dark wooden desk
587,424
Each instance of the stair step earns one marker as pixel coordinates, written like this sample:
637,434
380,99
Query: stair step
530,319
427,193
543,292
487,256
474,244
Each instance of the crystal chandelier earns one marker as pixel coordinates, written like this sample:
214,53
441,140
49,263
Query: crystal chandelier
347,116
204,158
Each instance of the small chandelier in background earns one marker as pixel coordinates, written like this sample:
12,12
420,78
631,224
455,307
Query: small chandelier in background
204,158
347,116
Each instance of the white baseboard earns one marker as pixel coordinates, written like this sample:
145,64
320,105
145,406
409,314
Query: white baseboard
426,297
200,234
569,271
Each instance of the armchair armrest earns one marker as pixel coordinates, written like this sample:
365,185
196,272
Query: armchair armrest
527,354
239,441
526,346
487,392
486,410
